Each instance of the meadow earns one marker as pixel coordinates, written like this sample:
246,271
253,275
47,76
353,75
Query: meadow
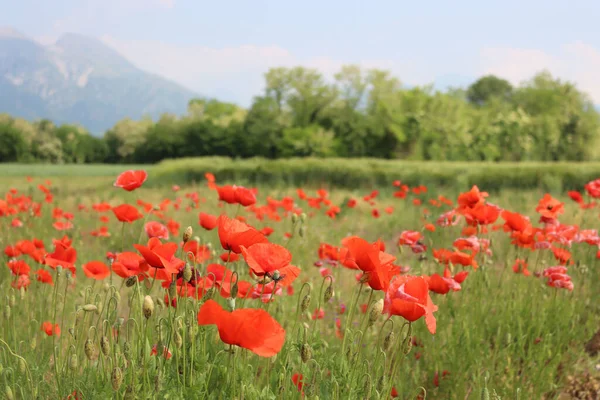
169,285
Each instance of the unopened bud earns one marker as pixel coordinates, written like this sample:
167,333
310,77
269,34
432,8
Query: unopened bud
7,312
90,308
12,301
105,345
234,290
129,393
303,217
187,273
302,231
231,303
172,290
276,275
375,312
294,218
148,307
328,293
22,292
129,282
157,382
368,386
305,303
160,303
89,348
22,366
387,341
116,378
70,278
33,343
305,352
178,340
9,393
127,350
73,362
187,234
72,332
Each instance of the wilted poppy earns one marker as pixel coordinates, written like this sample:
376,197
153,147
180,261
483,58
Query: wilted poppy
252,329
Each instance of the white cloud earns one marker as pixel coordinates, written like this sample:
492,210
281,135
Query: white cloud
231,73
577,62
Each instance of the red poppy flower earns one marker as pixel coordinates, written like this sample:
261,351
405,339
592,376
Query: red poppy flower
265,259
63,255
156,230
267,230
173,227
96,270
229,257
160,255
207,221
520,267
593,188
131,180
234,233
127,213
50,329
298,380
471,198
22,281
128,264
408,297
549,208
576,196
351,203
514,221
166,353
369,258
19,267
12,251
252,329
196,252
44,277
62,225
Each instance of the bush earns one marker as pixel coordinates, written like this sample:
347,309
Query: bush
366,172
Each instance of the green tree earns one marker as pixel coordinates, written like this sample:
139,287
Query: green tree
12,145
488,87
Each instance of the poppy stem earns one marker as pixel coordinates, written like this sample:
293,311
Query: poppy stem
349,321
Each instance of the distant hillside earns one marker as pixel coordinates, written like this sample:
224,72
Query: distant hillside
80,80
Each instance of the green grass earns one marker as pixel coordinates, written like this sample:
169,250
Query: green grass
66,170
525,337
366,173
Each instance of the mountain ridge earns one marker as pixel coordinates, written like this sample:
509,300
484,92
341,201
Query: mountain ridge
80,80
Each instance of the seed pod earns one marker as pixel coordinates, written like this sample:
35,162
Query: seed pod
187,272
387,341
148,307
328,293
116,378
375,312
105,345
178,340
131,281
89,348
73,362
187,234
305,303
305,352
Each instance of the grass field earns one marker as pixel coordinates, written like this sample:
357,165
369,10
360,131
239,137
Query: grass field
498,332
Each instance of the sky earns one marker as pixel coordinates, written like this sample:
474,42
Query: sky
223,48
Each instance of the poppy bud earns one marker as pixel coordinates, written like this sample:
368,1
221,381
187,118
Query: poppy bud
231,303
131,281
72,332
305,352
22,292
160,302
105,287
294,218
22,366
33,343
70,278
276,275
148,306
157,382
234,290
368,387
302,231
129,393
381,383
191,331
9,393
127,350
207,295
187,234
197,239
303,217
375,312
7,312
387,341
12,300
116,378
59,269
104,345
408,341
178,340
328,293
305,303
172,291
187,273
73,362
89,348
90,308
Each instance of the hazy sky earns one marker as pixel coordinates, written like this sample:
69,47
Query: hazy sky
222,48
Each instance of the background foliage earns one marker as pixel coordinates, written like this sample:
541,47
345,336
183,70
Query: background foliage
357,114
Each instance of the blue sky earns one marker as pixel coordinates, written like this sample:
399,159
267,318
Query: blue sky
222,48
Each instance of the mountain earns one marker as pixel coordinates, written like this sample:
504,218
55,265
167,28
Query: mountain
80,80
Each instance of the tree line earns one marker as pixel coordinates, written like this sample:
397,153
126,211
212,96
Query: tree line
361,113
